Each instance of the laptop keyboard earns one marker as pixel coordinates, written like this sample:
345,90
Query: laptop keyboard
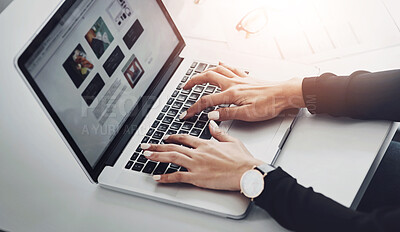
168,122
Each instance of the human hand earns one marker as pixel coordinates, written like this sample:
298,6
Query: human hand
254,100
211,164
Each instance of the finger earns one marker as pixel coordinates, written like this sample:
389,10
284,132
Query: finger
205,102
184,139
176,177
234,70
231,113
165,148
206,77
223,71
219,134
170,157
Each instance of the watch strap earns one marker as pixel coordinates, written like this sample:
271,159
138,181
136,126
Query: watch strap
265,168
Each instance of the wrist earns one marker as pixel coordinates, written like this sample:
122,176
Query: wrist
293,93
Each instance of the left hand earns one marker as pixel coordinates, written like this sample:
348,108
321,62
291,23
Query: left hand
211,164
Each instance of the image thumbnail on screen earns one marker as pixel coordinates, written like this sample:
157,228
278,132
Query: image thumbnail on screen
133,70
99,37
78,66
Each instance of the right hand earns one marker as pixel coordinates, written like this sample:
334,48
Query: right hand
254,100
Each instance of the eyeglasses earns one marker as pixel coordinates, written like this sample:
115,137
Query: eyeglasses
253,22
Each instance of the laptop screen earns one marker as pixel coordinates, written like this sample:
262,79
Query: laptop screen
96,62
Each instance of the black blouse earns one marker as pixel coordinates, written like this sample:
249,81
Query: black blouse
362,95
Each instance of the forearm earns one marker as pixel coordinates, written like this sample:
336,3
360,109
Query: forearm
301,209
362,95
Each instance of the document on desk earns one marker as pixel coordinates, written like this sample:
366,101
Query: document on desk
317,30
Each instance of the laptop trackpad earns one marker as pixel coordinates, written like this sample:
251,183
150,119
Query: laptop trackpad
145,184
261,138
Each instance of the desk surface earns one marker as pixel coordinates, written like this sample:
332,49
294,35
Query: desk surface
42,188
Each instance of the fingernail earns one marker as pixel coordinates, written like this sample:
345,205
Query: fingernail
214,125
156,177
213,115
147,153
165,137
145,146
183,115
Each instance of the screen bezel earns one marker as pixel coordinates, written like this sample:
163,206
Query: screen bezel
119,142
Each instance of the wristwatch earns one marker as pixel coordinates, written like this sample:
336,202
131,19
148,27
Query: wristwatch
252,181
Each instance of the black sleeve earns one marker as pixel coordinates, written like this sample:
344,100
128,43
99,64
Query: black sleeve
362,95
301,209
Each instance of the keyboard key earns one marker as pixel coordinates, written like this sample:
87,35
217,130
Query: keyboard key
193,65
180,85
194,96
185,78
181,97
183,109
170,101
177,105
160,169
201,67
206,133
135,156
175,93
198,89
176,126
155,124
183,132
195,132
209,109
223,105
200,125
212,66
129,164
210,89
150,132
158,135
187,91
163,127
172,112
142,159
172,132
168,120
203,117
149,167
145,139
165,108
154,141
138,149
187,126
189,103
170,170
137,167
175,166
192,119
189,71
183,169
160,116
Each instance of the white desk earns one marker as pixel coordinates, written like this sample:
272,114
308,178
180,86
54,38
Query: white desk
42,188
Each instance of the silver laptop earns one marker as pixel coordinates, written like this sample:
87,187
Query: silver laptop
109,74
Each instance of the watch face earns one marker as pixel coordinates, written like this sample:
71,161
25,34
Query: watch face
252,183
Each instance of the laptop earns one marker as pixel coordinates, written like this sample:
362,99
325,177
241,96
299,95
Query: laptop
109,76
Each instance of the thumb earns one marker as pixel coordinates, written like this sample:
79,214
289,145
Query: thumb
219,134
230,113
